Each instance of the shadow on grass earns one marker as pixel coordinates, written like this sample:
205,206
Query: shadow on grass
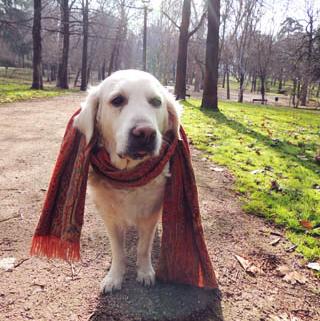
281,147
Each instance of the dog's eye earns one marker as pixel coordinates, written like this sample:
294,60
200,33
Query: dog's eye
118,101
155,102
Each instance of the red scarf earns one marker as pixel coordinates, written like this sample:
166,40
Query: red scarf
183,256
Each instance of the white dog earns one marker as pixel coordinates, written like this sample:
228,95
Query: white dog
132,111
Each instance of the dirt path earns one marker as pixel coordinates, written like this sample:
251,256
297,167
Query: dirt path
30,135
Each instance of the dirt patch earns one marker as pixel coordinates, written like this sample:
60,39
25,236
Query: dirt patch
30,136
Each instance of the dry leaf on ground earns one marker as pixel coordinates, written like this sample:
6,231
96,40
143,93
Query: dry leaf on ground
306,224
295,277
275,241
248,266
314,266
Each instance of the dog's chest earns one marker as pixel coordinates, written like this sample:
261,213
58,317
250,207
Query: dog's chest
129,204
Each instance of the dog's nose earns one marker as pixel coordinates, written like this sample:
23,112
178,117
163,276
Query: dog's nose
144,135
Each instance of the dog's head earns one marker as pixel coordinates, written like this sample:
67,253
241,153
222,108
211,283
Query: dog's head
132,111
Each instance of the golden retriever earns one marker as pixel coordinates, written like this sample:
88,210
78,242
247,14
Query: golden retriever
131,111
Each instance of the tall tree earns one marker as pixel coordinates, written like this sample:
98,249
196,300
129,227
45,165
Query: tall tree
62,79
37,47
85,29
210,90
184,36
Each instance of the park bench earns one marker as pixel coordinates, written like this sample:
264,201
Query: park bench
263,101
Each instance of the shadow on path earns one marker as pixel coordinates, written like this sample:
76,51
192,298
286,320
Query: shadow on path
161,302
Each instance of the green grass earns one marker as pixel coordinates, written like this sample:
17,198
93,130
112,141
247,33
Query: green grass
261,145
16,90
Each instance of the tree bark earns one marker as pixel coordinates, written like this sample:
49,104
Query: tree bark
37,82
85,29
262,88
103,69
224,77
62,79
210,91
306,79
76,78
144,53
241,88
180,87
228,83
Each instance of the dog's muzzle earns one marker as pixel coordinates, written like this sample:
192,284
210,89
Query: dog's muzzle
141,141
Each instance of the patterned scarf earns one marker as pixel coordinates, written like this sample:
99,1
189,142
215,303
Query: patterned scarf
183,255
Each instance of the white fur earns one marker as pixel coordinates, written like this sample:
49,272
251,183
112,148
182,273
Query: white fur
141,206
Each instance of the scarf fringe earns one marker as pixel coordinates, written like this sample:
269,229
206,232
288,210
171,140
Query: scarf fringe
53,247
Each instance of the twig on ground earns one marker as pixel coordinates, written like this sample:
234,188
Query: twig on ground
9,218
21,261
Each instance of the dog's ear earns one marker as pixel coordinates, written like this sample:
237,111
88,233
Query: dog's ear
174,111
85,120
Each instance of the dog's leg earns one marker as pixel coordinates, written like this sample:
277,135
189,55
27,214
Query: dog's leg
146,230
113,280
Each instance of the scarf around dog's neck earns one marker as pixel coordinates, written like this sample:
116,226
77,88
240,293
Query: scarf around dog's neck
183,255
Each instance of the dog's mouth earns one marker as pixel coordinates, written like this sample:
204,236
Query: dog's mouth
136,155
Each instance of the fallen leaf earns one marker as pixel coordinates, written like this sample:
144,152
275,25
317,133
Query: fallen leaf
283,270
7,263
248,266
291,248
302,157
314,266
275,241
217,169
294,277
257,171
283,317
275,186
306,224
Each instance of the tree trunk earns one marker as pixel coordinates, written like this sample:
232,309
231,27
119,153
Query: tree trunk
103,69
308,71
304,90
241,88
228,83
318,91
144,52
37,47
262,89
180,87
224,77
254,83
294,91
62,79
76,78
53,72
85,29
210,91
280,81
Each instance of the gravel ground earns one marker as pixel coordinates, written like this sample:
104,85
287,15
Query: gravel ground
37,289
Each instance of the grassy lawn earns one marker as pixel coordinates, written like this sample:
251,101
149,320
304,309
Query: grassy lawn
271,152
12,90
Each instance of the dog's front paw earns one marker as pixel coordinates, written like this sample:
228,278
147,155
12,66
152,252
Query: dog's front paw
111,282
146,276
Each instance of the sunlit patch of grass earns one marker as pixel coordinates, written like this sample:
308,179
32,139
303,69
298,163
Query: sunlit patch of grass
11,91
271,152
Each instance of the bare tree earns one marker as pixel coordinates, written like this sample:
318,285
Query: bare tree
62,79
210,90
85,28
37,82
184,36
